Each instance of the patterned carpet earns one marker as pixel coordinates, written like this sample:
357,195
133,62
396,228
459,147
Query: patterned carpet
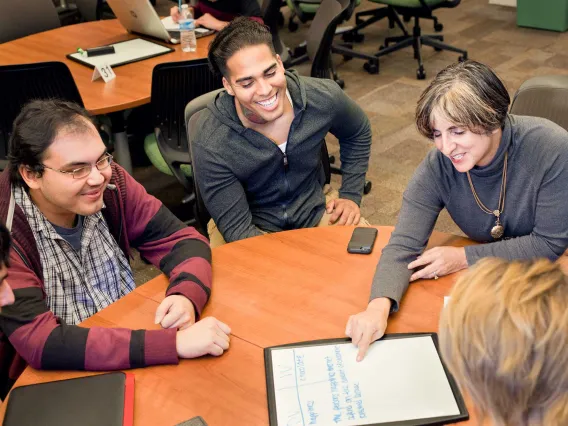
489,33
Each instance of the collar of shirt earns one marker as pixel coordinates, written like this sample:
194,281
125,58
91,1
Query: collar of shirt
37,220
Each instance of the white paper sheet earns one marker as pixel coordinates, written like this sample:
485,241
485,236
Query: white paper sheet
170,25
125,51
399,379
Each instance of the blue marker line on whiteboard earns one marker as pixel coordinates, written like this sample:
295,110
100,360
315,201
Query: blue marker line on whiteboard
297,389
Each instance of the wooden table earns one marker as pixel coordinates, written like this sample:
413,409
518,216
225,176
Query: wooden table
130,88
274,289
132,85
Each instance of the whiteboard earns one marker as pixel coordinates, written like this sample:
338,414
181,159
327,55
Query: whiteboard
401,379
125,52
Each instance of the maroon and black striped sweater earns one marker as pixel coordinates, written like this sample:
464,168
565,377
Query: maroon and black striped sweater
31,334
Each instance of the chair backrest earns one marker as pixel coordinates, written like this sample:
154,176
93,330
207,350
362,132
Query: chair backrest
20,84
19,19
175,84
544,96
192,111
321,34
270,15
89,9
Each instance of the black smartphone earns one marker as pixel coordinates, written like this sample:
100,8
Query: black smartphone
194,421
362,240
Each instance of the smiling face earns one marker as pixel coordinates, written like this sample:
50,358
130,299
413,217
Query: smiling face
463,147
59,196
257,81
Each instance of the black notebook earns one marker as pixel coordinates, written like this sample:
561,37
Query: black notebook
105,399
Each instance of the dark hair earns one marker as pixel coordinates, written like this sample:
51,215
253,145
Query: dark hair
241,32
469,93
5,242
34,130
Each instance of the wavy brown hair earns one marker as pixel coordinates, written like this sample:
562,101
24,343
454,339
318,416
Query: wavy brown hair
504,337
469,94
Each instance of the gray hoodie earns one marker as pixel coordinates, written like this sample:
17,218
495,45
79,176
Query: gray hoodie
249,185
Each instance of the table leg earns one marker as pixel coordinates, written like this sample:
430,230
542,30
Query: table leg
120,140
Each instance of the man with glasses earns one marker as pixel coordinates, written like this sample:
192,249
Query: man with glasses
75,216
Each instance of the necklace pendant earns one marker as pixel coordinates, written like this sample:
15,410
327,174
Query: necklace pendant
496,213
497,231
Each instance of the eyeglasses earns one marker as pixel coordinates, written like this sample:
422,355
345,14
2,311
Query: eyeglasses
85,171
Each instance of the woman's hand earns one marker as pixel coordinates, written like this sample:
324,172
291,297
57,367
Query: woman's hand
438,262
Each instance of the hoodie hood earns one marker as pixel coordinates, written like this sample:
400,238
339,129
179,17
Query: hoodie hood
223,106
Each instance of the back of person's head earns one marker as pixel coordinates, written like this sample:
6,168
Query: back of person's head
240,33
4,246
35,129
504,337
469,94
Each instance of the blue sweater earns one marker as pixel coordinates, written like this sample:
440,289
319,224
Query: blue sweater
246,184
535,216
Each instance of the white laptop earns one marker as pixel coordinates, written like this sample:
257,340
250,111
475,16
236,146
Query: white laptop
140,17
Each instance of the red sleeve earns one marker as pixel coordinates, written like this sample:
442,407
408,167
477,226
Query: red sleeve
182,253
45,342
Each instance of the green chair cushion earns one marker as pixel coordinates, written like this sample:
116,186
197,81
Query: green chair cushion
155,156
407,3
309,8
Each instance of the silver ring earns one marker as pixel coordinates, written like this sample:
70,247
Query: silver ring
435,276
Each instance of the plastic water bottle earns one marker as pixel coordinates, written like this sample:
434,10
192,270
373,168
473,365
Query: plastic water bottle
187,30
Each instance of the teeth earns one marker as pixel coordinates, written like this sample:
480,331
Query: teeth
269,102
458,157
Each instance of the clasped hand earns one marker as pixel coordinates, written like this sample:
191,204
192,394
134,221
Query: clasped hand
343,212
438,261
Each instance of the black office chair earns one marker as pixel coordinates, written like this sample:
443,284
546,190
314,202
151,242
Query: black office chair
271,17
321,36
368,17
94,10
21,83
191,116
175,84
423,9
20,19
320,40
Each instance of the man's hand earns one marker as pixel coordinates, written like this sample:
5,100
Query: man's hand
369,325
175,311
343,212
208,21
438,262
208,336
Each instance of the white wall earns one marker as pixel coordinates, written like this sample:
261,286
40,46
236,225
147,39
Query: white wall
512,3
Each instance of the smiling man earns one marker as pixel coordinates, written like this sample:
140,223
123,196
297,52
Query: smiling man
75,216
257,156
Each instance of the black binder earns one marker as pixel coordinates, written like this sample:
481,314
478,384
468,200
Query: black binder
105,399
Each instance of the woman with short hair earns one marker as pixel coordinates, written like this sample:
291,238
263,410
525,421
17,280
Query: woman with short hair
504,338
502,178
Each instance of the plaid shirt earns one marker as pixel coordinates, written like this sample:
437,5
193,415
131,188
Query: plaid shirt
78,285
